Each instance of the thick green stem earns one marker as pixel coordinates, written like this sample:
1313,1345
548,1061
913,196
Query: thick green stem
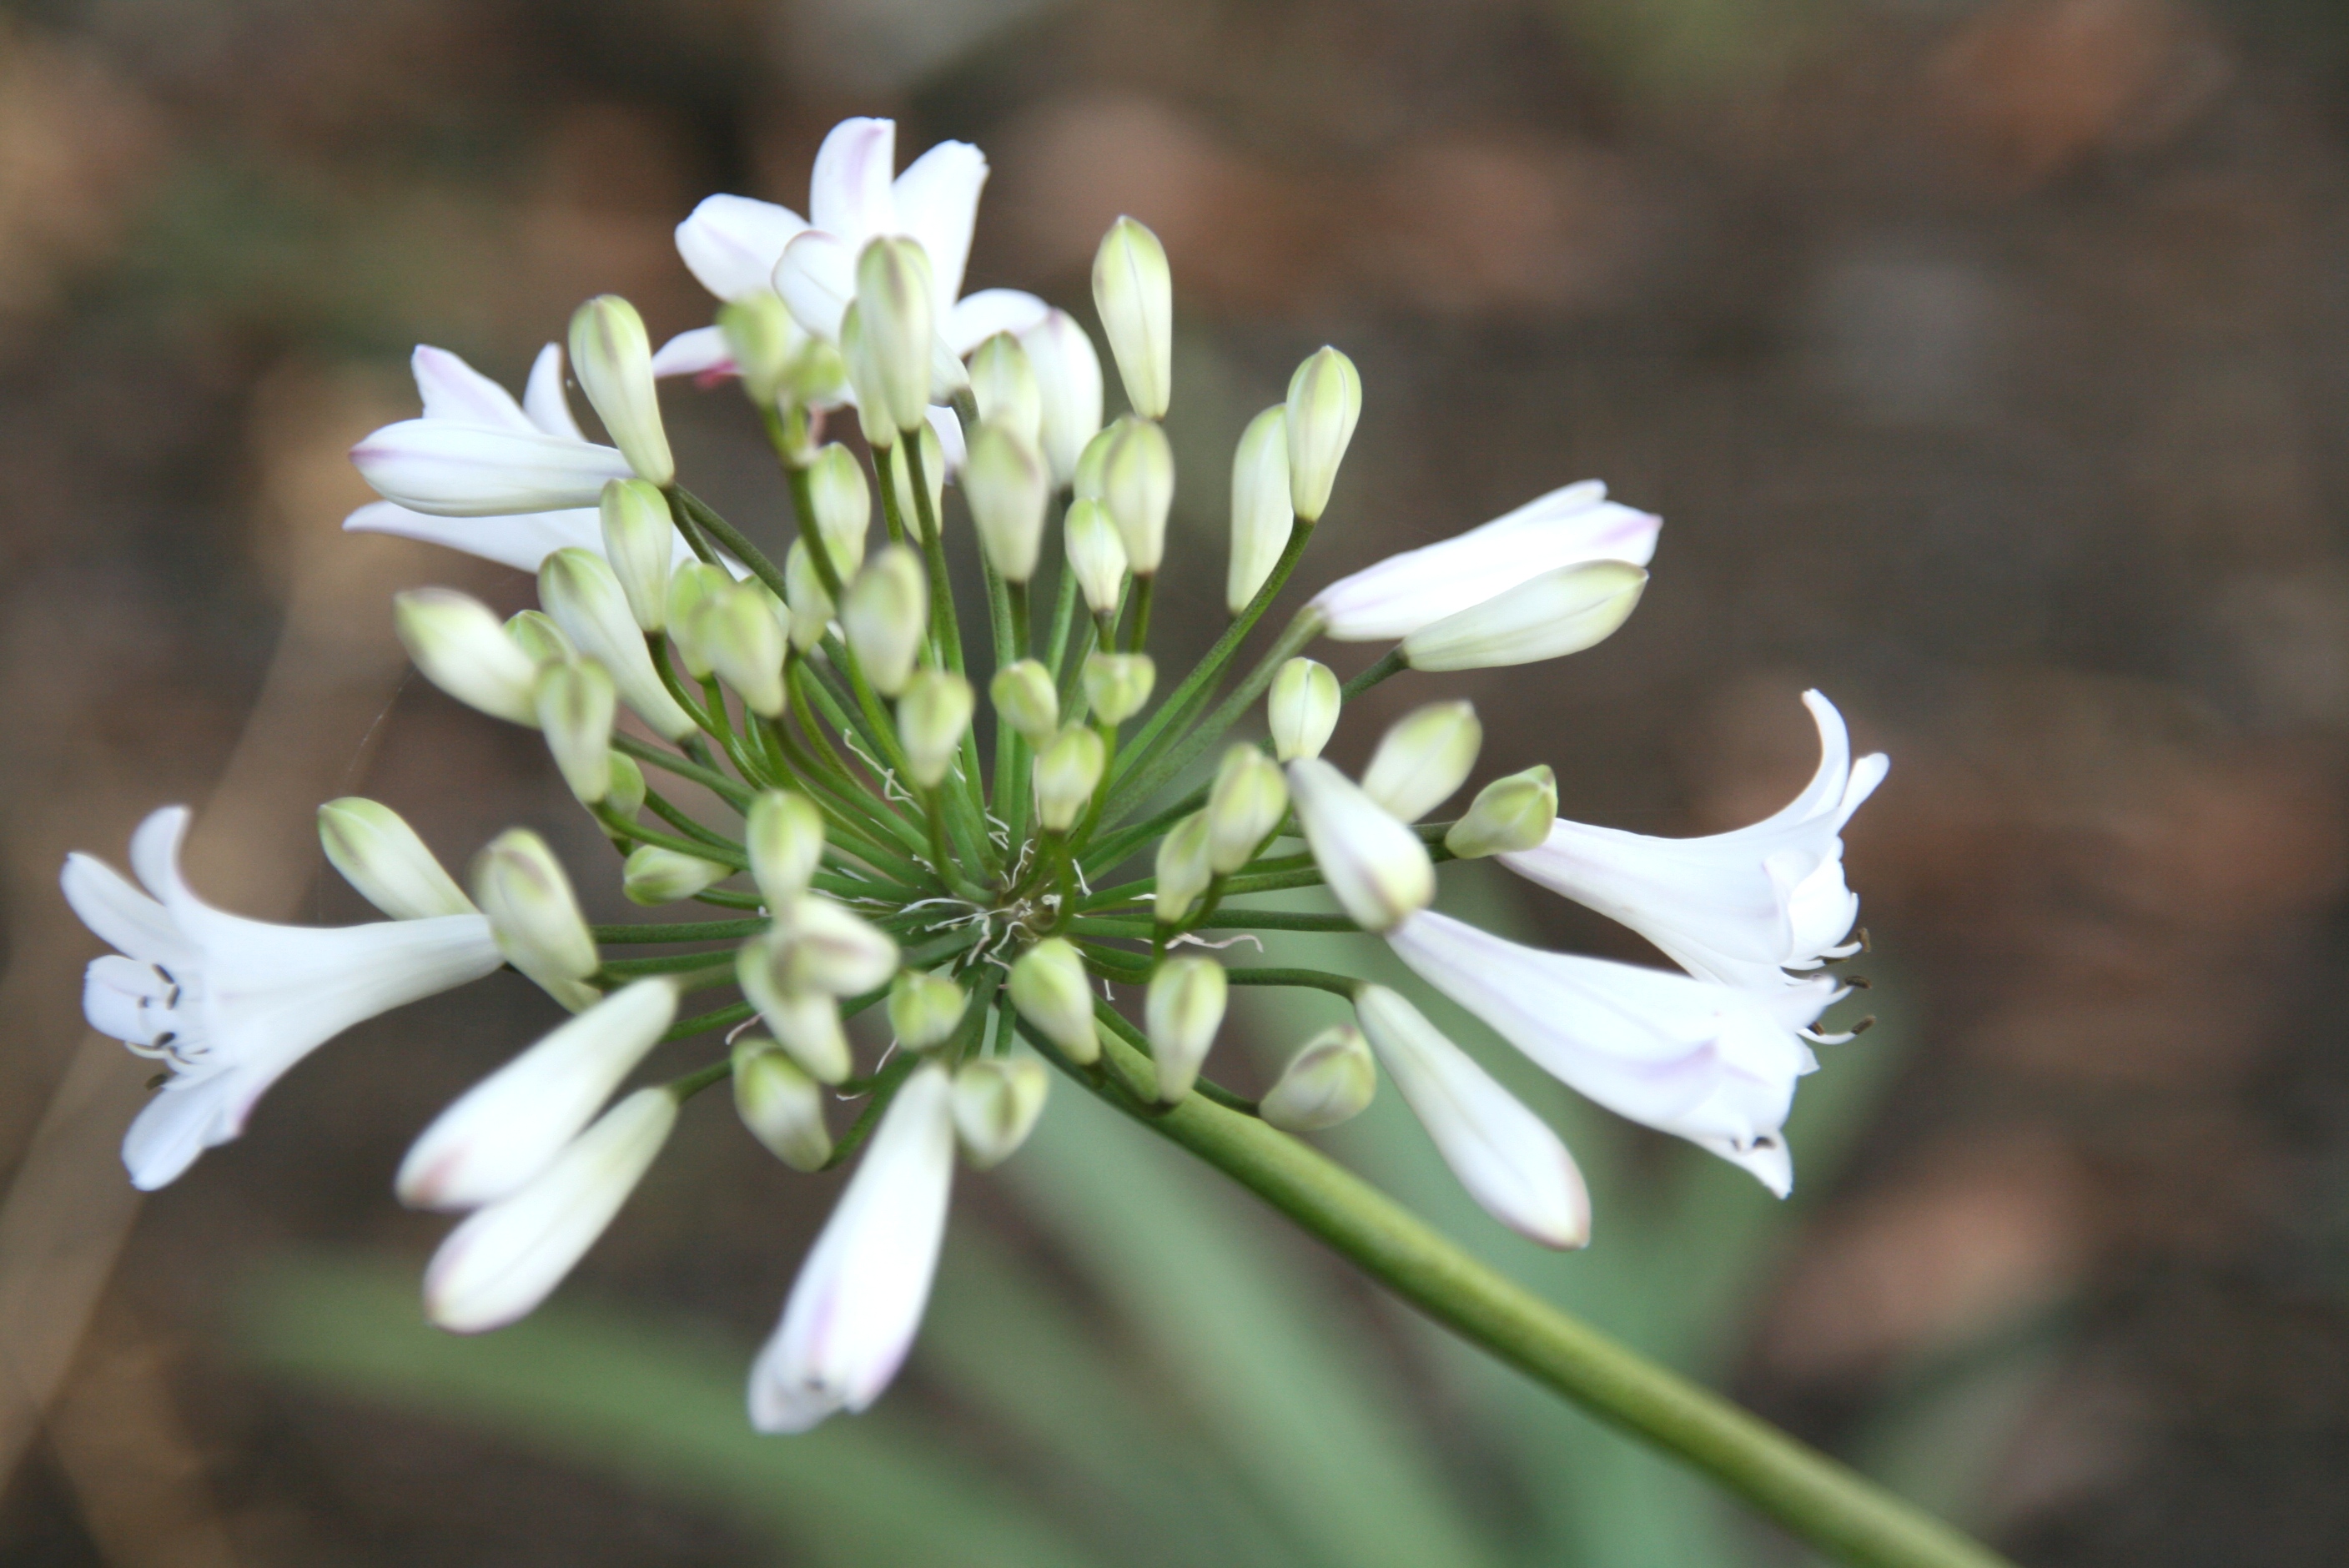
1389,663
727,537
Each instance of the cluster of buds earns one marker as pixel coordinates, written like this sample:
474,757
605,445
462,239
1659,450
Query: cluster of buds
982,876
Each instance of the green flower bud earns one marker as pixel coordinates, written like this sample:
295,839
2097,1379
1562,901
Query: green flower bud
1261,519
806,1022
1180,1012
691,586
1050,991
457,642
1093,460
1003,382
1135,291
784,833
764,341
381,856
864,378
1424,758
819,945
1068,388
1375,866
1006,485
1555,614
842,503
1325,399
652,875
1067,767
894,297
1183,872
614,361
1117,685
534,917
640,542
924,1009
1138,488
1246,804
812,607
780,1104
575,708
740,633
934,479
932,716
1095,555
888,611
1302,710
535,634
1026,700
578,589
1508,814
1332,1080
996,1100
625,792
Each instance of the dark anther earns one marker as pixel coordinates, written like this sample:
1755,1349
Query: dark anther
1864,1025
1858,982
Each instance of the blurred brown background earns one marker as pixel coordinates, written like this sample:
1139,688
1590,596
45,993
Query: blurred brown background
1987,361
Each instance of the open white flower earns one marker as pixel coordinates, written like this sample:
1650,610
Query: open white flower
1399,595
1742,907
859,1297
230,1004
1710,1063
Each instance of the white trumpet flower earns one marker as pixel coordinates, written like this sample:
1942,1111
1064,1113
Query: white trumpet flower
230,1004
1742,907
1399,595
853,1311
1707,1062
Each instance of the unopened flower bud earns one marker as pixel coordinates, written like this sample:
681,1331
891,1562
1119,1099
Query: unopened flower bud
1376,867
806,1023
652,876
535,916
784,833
821,946
1261,517
894,297
1135,291
780,1104
535,634
1095,555
614,362
640,542
1092,461
1003,383
1325,399
575,708
1332,1080
381,856
1181,1013
996,1100
1508,814
933,714
1006,485
925,1009
1138,488
743,639
625,794
457,642
579,590
1246,803
1424,758
1302,710
812,607
763,339
1183,872
1067,389
842,503
934,480
1117,685
1026,700
691,586
1555,614
888,609
1067,769
864,378
1050,989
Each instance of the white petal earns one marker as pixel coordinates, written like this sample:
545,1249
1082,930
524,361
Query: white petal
849,193
476,470
859,1297
119,914
817,278
731,243
520,542
453,389
155,856
948,426
123,998
182,1119
544,400
701,352
975,319
936,201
